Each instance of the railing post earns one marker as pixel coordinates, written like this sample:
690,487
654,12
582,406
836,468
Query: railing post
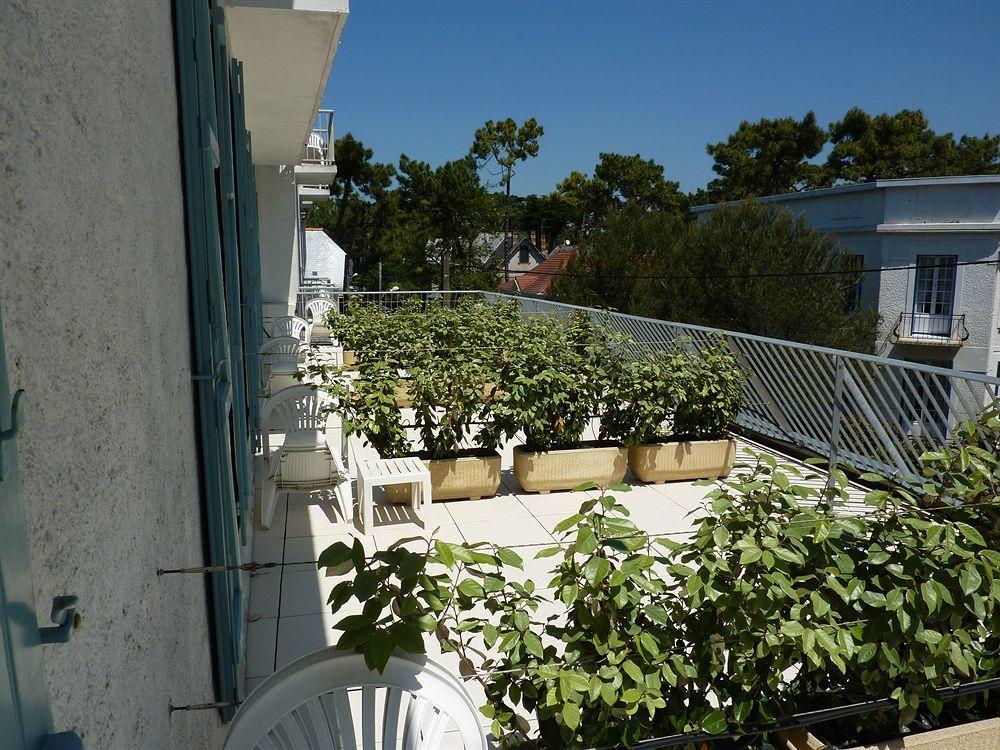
838,393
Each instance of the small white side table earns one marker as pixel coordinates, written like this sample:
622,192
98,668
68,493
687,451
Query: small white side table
383,472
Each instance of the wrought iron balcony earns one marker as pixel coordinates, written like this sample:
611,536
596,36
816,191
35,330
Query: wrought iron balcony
927,328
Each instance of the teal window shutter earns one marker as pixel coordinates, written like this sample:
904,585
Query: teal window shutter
25,715
218,274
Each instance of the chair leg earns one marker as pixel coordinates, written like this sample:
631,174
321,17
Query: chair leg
268,502
421,495
367,521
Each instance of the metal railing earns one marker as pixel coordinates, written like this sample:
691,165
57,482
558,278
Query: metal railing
872,413
319,147
948,329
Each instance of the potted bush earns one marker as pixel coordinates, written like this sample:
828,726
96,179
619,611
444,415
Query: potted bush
551,381
673,409
446,393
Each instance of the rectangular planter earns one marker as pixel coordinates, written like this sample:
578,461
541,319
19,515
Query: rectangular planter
350,359
566,468
403,400
673,461
474,474
976,735
403,395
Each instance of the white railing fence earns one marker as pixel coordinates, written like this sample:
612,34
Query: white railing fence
872,413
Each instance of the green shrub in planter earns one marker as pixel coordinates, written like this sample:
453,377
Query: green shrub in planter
551,379
673,409
815,608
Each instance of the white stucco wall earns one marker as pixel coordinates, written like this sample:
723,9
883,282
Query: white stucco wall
278,206
95,304
883,223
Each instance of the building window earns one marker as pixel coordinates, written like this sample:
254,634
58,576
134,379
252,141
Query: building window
857,280
934,294
523,257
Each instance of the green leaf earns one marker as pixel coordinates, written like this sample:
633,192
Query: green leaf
533,644
471,588
407,637
509,557
571,715
969,579
378,650
971,534
792,628
596,569
444,553
714,722
335,555
931,596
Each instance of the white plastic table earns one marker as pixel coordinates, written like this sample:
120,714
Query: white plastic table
383,472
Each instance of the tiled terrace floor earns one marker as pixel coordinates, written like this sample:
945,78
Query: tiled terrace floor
289,616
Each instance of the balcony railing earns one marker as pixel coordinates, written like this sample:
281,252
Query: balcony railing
319,147
872,413
925,328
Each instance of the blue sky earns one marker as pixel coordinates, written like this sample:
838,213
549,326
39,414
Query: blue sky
657,78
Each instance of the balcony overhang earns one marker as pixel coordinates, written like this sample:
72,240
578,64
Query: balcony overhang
310,194
315,174
287,48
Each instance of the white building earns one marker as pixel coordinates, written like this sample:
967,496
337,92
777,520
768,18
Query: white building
156,157
324,260
946,310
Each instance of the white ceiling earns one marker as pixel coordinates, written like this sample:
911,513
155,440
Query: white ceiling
287,48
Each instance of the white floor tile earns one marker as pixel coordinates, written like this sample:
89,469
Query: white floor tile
487,509
303,634
510,532
305,591
265,588
315,514
261,640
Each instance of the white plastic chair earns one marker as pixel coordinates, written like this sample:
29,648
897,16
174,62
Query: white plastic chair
279,363
315,310
307,459
330,699
315,148
289,325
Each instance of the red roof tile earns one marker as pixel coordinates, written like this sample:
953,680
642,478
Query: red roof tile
539,279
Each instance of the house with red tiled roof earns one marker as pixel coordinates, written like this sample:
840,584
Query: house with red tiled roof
538,280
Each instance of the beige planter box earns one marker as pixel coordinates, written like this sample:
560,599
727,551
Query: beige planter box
403,400
544,471
403,395
473,475
350,359
670,462
976,735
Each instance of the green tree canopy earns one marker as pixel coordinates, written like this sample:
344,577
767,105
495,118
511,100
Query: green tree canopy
631,242
728,274
618,181
766,157
867,148
450,206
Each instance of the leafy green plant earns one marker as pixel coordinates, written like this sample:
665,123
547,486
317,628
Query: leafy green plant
780,602
552,379
962,477
713,393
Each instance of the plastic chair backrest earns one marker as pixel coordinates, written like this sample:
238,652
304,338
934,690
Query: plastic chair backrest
300,411
317,308
290,325
330,699
281,354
